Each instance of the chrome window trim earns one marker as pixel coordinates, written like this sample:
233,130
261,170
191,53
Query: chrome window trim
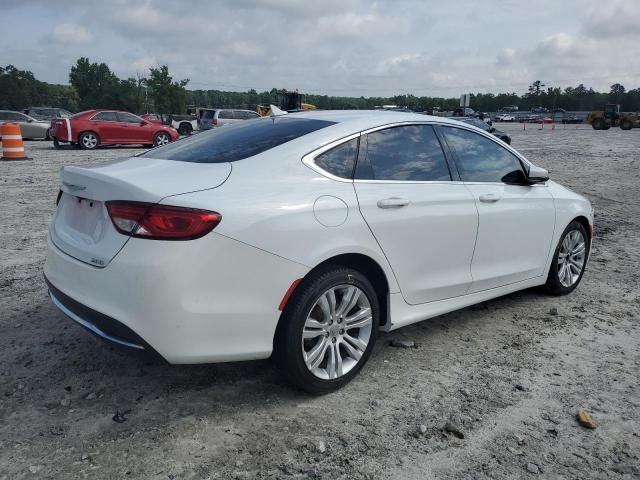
309,158
92,119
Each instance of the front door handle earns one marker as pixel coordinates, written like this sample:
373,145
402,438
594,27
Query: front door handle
489,198
393,202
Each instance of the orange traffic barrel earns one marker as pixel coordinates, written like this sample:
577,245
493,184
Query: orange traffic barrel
12,144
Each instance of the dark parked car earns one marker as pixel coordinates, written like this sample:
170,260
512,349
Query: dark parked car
558,110
572,119
504,136
539,110
508,108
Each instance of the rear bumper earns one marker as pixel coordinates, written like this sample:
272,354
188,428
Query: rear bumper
97,323
208,300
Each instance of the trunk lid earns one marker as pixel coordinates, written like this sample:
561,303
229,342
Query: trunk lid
81,225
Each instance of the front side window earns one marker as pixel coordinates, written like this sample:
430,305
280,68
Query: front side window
105,117
407,153
340,160
128,118
225,114
238,140
480,159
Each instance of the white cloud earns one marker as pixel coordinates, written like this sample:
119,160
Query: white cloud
70,34
340,47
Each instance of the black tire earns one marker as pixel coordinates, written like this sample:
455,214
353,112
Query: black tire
56,143
161,138
185,129
597,124
85,140
288,354
554,285
626,125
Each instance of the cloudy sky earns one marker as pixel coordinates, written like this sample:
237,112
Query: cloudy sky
334,47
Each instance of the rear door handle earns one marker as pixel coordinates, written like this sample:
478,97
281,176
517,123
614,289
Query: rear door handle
489,198
393,202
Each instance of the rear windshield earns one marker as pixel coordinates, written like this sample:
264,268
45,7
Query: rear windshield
209,114
230,143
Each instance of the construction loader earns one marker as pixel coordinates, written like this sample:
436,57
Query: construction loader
289,101
611,116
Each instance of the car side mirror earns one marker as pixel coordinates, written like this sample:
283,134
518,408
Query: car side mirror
537,175
515,177
29,121
143,123
492,129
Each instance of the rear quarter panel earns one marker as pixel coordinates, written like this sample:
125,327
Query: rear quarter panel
269,203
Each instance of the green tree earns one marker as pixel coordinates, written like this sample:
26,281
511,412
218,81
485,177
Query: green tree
167,96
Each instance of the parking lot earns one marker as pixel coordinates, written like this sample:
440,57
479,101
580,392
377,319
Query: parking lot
491,391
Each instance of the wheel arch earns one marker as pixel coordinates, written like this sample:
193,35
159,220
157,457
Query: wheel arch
88,130
585,223
365,265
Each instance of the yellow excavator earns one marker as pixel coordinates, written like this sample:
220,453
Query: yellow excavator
289,101
611,116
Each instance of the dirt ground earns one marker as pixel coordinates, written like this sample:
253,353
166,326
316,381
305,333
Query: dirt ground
491,391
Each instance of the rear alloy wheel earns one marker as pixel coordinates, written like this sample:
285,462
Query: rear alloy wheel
327,330
161,139
569,260
88,141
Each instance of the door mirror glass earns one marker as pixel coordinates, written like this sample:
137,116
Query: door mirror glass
537,175
515,177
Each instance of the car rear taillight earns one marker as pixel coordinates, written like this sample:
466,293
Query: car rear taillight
161,222
214,121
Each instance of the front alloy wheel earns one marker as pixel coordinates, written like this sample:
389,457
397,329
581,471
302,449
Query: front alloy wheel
161,139
569,260
327,329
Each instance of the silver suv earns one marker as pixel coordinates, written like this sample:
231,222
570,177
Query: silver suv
217,117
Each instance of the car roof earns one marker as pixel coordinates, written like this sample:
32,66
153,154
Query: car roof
358,120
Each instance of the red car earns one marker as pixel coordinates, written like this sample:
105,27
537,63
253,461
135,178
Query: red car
93,128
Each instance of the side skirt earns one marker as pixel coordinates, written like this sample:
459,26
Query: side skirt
402,314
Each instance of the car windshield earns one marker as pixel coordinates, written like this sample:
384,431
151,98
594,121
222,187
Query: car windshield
236,142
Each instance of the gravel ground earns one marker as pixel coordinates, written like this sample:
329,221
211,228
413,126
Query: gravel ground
491,391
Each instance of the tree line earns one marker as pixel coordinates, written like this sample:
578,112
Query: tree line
94,85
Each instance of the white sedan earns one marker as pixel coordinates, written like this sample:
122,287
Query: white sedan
303,235
505,117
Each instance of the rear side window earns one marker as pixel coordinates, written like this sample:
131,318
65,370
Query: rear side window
128,117
225,114
105,117
237,141
411,153
480,159
339,161
17,117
